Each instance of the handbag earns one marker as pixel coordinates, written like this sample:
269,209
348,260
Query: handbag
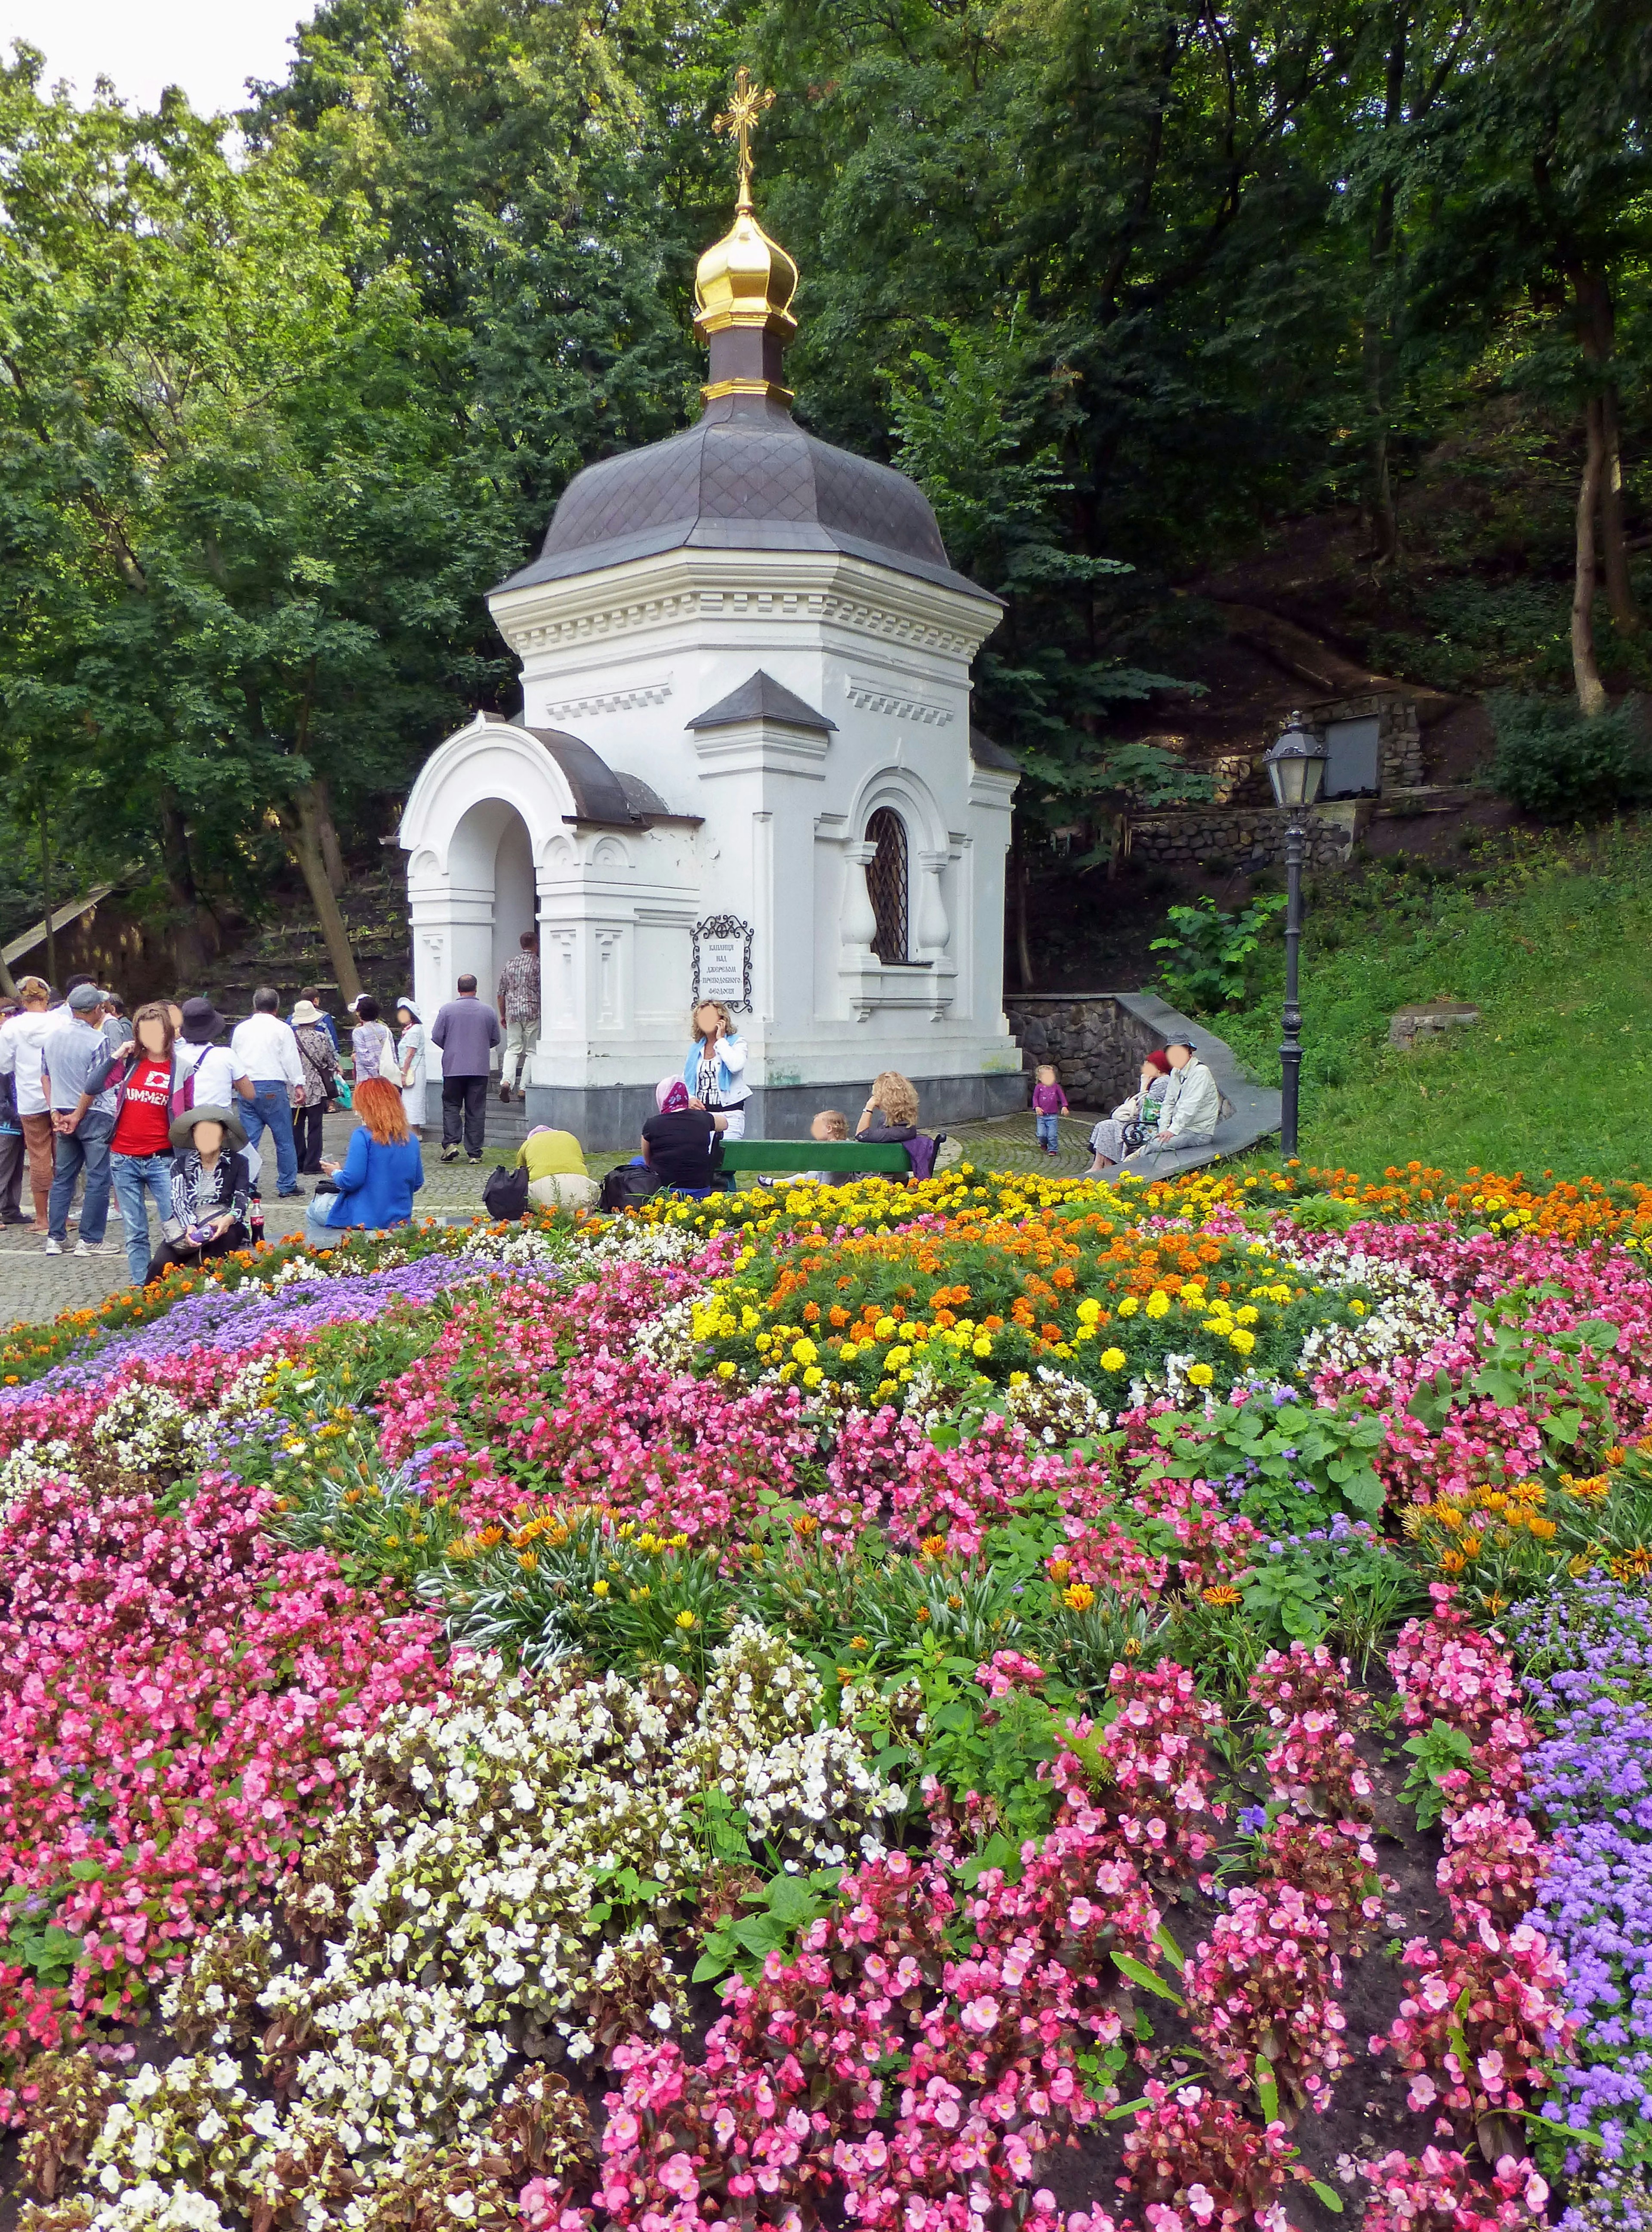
505,1195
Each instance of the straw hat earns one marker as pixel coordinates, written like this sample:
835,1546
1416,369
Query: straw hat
209,1112
307,1012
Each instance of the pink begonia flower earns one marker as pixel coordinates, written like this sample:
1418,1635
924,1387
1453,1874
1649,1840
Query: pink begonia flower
1202,2204
980,2015
1423,2092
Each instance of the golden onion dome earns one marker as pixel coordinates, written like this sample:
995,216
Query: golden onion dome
745,279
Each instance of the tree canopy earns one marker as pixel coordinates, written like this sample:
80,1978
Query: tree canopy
1120,281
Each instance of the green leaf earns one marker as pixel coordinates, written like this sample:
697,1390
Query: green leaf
1139,1973
1168,1947
1324,2195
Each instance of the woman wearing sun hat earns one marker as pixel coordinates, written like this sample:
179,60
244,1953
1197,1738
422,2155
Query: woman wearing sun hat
211,1187
317,1052
410,1062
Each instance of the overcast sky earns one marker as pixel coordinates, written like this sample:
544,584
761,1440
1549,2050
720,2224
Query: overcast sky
209,47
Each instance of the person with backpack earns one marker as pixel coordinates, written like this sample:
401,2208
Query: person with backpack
140,1150
202,1071
74,1065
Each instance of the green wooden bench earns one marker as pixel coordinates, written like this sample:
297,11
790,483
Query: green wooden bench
868,1160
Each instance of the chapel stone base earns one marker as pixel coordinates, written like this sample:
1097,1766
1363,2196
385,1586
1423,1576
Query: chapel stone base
605,1118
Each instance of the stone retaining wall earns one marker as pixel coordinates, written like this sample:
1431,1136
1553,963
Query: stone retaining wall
1249,837
1096,1043
1399,733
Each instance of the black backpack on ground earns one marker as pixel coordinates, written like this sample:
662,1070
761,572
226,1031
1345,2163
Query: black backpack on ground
626,1186
505,1195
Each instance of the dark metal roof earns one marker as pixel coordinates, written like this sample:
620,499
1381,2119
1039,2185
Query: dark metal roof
761,698
598,794
747,477
641,797
985,753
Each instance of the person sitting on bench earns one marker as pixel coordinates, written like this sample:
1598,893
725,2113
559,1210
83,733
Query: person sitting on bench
1190,1110
890,1117
680,1142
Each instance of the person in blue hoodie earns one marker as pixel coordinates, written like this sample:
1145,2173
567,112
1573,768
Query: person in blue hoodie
381,1171
715,1072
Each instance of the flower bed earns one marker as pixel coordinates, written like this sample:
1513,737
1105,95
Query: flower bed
1001,1702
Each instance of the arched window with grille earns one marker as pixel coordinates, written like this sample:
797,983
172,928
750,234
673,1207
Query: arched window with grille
886,883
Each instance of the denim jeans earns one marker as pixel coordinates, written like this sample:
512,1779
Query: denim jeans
134,1176
1048,1131
269,1109
86,1148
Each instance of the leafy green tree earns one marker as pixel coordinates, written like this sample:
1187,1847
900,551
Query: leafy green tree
247,534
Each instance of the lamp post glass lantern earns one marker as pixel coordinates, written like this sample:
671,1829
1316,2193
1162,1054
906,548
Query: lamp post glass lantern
1295,768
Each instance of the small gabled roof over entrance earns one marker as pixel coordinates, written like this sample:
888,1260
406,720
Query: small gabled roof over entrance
761,698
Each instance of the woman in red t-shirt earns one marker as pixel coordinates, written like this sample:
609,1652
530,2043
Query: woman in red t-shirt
140,1153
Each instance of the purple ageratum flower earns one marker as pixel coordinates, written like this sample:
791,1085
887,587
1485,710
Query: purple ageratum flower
233,1321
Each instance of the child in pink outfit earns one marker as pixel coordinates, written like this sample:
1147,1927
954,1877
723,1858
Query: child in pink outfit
1049,1103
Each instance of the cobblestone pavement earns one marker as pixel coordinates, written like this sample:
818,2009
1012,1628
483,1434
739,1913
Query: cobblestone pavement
34,1286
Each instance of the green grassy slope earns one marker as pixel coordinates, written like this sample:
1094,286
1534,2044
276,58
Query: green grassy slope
1551,937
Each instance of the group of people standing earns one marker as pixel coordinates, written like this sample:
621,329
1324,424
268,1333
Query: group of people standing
154,1108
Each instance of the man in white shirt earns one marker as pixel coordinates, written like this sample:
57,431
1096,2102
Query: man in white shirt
270,1077
21,1042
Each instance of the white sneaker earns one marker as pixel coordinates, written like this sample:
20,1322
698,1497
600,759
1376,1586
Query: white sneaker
53,1247
89,1247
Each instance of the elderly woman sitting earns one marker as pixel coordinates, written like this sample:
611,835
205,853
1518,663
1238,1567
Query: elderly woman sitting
1133,1120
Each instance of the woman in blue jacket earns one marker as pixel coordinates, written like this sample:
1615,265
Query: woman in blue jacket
715,1072
381,1171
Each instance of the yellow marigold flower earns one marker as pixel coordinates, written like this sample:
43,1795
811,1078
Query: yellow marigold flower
805,1349
1080,1597
1201,1374
813,1376
1158,1303
725,1370
1247,1315
1021,1378
1089,1311
1129,1306
1112,1359
849,1352
1242,1339
898,1355
982,1348
884,1328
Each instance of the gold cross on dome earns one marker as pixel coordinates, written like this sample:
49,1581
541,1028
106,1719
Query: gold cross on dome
740,119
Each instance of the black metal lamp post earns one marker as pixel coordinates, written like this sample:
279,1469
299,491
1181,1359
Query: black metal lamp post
1295,767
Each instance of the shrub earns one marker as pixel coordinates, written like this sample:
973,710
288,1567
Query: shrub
1551,761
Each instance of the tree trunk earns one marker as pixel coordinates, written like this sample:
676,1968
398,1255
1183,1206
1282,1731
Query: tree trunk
1596,316
196,939
1620,595
331,855
1591,691
302,823
1023,944
1384,521
46,898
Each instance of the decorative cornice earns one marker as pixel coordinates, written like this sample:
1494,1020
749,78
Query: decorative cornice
610,701
872,699
695,587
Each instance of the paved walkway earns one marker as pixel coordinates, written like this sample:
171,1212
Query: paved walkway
34,1286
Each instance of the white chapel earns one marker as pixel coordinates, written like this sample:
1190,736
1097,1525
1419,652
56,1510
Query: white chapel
744,768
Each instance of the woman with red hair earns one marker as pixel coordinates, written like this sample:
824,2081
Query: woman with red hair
381,1171
1133,1120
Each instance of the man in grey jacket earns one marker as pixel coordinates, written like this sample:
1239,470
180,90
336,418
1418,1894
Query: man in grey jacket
74,1067
1191,1108
467,1031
